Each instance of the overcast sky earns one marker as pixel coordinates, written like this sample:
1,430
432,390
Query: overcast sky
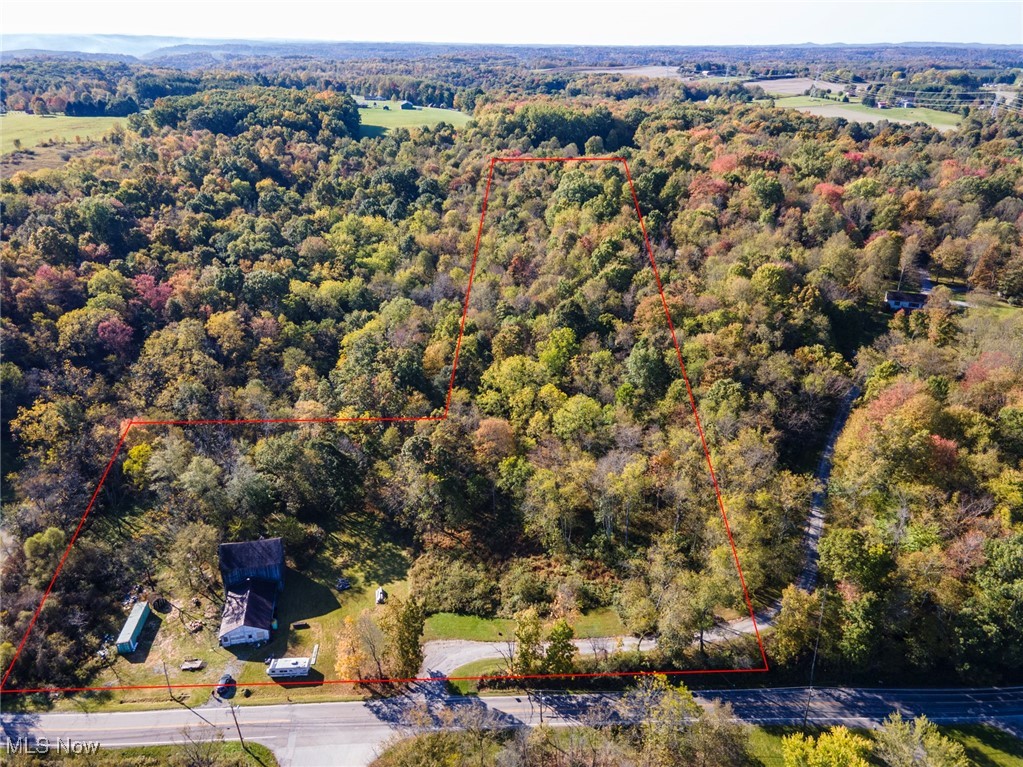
581,22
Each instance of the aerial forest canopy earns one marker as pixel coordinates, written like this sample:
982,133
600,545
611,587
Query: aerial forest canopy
240,253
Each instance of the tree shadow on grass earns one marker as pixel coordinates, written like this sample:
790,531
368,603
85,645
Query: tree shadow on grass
369,545
303,598
371,131
313,679
992,738
385,564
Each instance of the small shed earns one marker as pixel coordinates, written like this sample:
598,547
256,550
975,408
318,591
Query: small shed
407,105
128,639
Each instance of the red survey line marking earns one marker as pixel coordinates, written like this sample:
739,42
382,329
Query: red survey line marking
696,416
408,419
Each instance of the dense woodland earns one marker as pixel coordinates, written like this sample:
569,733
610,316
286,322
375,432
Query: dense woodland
237,252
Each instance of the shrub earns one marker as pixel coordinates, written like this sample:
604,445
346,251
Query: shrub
523,587
450,585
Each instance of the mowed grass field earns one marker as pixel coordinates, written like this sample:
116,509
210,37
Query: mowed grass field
33,130
376,120
857,111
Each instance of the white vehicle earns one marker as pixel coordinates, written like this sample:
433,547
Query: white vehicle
285,667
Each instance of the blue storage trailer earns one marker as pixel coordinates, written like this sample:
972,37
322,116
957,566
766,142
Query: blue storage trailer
128,639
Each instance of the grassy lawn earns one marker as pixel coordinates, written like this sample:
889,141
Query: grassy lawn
985,746
765,745
988,747
832,108
376,120
33,130
988,306
603,622
451,626
476,668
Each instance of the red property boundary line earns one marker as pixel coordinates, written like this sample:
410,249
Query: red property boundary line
494,161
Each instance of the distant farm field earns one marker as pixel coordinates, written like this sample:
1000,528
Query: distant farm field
376,120
794,86
33,130
855,111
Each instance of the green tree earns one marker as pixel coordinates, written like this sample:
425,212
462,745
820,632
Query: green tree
838,746
42,552
795,626
719,739
665,713
636,609
402,623
557,350
528,654
916,743
558,658
581,419
193,559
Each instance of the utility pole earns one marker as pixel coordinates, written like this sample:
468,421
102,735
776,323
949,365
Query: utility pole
167,677
234,716
813,663
181,701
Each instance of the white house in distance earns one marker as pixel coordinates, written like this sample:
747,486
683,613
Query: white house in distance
897,299
253,574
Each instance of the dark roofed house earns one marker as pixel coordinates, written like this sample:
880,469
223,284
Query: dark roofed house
253,573
259,560
896,300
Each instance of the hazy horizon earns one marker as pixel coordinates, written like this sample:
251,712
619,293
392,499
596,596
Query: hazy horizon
598,23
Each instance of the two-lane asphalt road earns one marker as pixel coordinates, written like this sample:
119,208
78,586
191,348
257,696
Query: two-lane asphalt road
352,734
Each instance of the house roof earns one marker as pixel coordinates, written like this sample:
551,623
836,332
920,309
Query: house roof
248,555
896,295
249,604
